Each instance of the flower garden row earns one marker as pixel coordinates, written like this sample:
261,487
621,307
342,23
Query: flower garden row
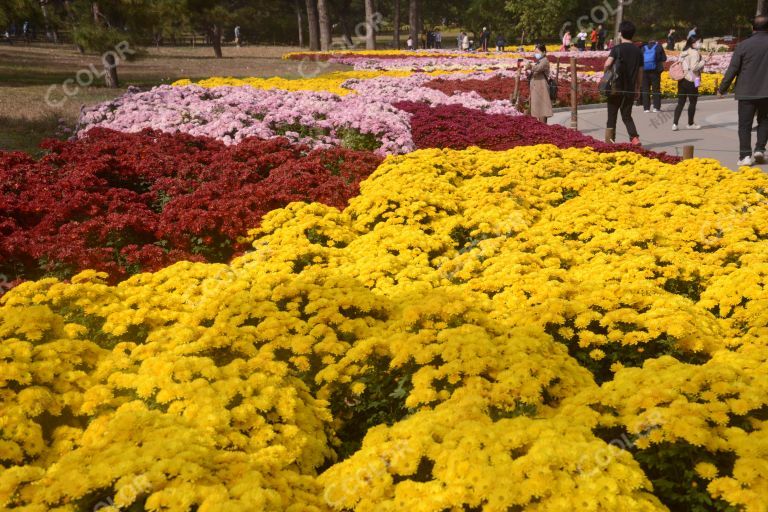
477,329
540,321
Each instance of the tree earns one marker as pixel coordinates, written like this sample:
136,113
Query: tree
760,7
370,27
413,20
396,24
325,25
314,28
540,18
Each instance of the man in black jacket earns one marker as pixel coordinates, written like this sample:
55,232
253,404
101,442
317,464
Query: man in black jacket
750,64
628,83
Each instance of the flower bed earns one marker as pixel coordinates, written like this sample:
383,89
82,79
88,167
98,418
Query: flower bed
231,114
502,87
457,127
476,330
127,203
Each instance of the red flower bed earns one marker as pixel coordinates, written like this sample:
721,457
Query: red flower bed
502,88
127,203
457,127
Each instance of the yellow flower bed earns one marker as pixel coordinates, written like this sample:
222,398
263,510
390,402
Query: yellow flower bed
709,83
503,330
329,82
511,52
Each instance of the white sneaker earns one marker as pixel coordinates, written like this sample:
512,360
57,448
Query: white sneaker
747,160
759,157
694,127
647,111
674,128
656,110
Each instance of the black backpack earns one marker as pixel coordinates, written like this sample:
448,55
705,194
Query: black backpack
610,83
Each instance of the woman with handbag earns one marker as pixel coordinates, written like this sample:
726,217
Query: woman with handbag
688,87
541,104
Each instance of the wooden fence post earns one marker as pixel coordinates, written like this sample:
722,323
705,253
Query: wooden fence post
574,96
516,95
687,152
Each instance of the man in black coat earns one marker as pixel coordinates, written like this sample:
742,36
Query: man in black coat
750,64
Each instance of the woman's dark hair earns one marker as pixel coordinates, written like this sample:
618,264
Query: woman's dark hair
542,47
760,23
627,29
689,42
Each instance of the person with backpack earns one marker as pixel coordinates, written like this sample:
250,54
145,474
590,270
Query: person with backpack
541,103
653,64
750,63
688,87
625,63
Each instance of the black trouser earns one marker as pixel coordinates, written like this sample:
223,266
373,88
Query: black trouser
651,86
747,111
686,90
622,103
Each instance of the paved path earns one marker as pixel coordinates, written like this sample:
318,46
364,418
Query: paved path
718,137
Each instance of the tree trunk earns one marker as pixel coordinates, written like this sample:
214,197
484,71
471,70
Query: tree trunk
95,11
110,71
50,34
760,7
325,25
396,23
299,22
215,34
314,28
413,21
370,32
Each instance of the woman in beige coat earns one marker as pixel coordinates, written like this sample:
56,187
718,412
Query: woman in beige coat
541,105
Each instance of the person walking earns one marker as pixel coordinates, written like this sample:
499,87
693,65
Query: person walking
465,41
688,87
567,41
671,39
601,35
653,64
409,43
237,36
750,64
500,43
438,39
581,40
541,104
630,76
593,40
485,38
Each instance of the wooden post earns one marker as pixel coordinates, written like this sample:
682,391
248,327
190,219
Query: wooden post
557,77
687,152
516,95
610,135
574,96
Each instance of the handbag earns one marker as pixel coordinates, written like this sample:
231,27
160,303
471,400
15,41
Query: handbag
609,84
677,71
552,86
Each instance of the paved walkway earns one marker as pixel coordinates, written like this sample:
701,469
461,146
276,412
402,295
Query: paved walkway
718,137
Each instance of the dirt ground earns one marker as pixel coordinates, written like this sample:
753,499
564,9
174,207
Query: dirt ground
32,100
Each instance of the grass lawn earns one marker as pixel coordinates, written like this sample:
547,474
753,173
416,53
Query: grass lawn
30,74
